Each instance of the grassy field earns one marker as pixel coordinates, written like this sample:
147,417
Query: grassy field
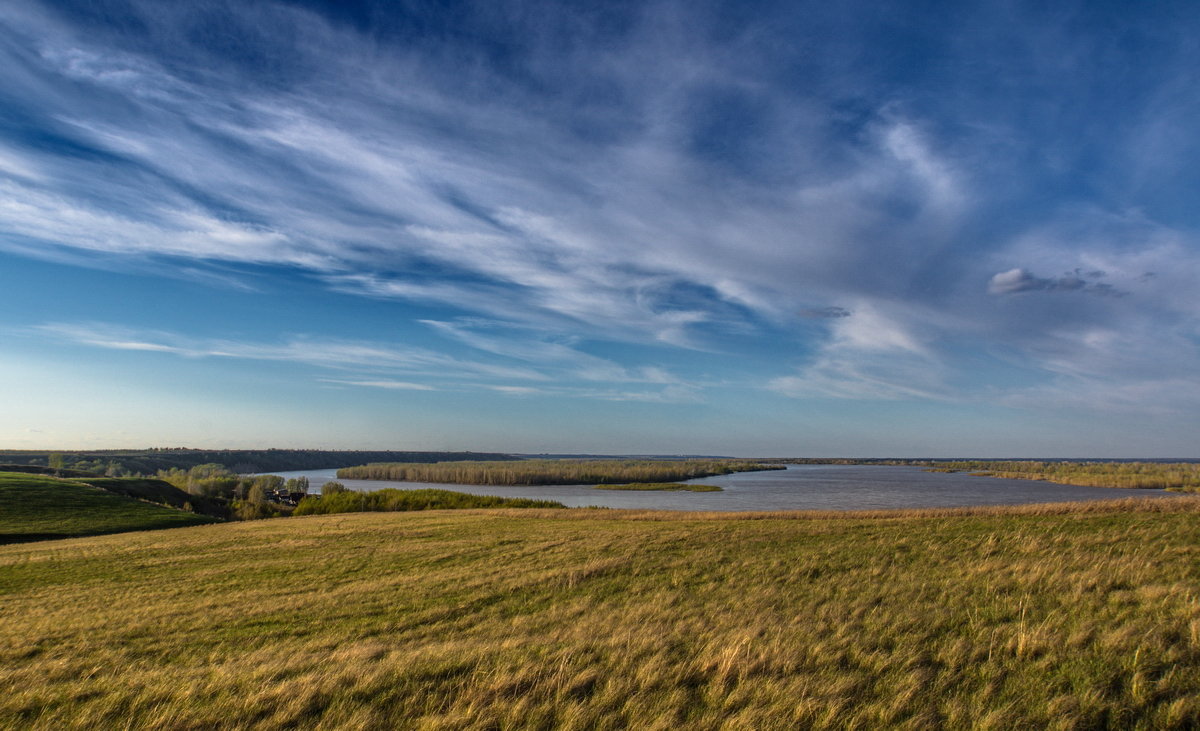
662,486
35,507
1067,616
1177,476
552,471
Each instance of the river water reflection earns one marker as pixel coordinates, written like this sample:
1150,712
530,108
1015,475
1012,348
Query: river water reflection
799,487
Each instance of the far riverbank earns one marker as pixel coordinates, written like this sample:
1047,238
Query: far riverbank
799,487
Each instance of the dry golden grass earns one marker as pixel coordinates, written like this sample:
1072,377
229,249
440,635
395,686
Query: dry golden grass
1068,616
1178,476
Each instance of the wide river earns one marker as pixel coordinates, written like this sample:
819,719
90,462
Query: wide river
799,487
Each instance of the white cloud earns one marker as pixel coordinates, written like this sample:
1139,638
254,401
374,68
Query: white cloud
556,369
516,390
16,164
944,186
527,221
324,353
387,385
387,175
870,355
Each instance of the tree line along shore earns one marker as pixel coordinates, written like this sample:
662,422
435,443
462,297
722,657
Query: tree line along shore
216,492
168,463
38,502
1178,476
553,472
149,462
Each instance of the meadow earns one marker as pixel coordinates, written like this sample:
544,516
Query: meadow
1080,615
37,507
1177,476
552,471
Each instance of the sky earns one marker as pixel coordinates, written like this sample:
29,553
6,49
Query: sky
741,228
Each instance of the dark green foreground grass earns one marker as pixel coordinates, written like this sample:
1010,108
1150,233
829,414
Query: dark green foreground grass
35,507
1067,616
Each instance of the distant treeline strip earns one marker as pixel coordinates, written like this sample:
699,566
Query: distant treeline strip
1181,476
551,472
127,462
393,500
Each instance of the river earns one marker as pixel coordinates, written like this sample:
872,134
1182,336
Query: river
799,487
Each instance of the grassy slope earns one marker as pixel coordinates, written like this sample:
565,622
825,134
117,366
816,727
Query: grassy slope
992,618
141,488
34,507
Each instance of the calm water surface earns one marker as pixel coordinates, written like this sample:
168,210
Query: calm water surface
799,487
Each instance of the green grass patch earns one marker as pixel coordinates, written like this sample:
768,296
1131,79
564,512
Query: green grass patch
663,486
35,507
395,500
1067,616
148,489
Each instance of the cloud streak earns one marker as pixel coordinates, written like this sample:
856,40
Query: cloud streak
319,352
553,368
670,179
1018,280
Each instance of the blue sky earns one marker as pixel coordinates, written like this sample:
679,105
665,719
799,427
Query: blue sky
657,227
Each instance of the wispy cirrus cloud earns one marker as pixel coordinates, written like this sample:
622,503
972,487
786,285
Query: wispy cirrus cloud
313,351
388,385
499,206
872,355
557,374
498,338
680,180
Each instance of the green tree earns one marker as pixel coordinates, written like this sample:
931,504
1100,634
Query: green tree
332,488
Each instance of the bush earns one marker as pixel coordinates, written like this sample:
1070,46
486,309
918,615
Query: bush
246,510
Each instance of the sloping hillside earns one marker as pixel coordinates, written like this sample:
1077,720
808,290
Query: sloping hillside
1067,616
36,507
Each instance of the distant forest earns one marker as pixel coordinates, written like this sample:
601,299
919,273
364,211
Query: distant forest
149,462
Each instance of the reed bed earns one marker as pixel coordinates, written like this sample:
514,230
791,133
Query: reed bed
551,471
1069,616
1180,476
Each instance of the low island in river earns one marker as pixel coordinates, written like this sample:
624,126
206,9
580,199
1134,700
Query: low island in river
662,486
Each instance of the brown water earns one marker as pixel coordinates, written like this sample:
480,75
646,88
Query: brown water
799,487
